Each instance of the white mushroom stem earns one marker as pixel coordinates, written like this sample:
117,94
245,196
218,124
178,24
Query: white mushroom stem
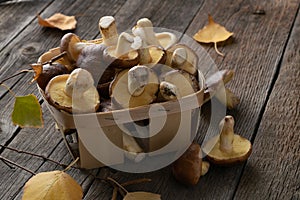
144,29
126,43
169,91
108,30
138,78
77,85
179,57
227,134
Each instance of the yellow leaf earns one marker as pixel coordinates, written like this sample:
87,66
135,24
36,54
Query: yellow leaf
54,185
58,20
141,195
212,32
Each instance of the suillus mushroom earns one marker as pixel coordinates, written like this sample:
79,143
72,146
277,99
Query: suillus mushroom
49,71
124,54
73,45
176,84
180,56
187,168
227,148
134,87
74,93
144,30
108,30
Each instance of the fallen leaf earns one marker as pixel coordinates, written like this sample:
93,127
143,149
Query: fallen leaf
38,69
27,112
52,185
212,32
141,195
58,20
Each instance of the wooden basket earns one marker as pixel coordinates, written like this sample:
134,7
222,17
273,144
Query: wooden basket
97,138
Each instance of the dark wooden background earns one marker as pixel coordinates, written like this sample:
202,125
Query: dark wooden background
264,52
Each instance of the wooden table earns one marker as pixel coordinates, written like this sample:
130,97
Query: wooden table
264,52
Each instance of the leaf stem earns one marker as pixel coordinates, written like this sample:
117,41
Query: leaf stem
16,74
71,165
118,184
17,165
218,52
33,154
8,89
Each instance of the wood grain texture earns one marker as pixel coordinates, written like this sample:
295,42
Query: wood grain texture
15,17
273,169
254,53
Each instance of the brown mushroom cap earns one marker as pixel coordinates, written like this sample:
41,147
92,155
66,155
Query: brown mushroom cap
56,95
188,168
50,71
121,97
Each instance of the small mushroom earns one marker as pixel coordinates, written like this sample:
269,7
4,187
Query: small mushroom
227,148
74,93
135,87
188,168
50,71
176,84
144,30
123,55
182,57
73,45
108,30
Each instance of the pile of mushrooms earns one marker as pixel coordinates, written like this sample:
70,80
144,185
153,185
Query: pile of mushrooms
127,70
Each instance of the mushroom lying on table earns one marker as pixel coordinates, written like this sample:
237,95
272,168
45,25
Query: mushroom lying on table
189,167
74,93
227,148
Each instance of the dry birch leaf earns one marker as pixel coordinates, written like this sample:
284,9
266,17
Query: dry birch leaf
38,69
52,185
58,20
212,32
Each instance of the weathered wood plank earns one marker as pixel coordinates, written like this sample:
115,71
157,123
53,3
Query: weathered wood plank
220,182
15,17
273,170
35,40
33,140
254,68
39,40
